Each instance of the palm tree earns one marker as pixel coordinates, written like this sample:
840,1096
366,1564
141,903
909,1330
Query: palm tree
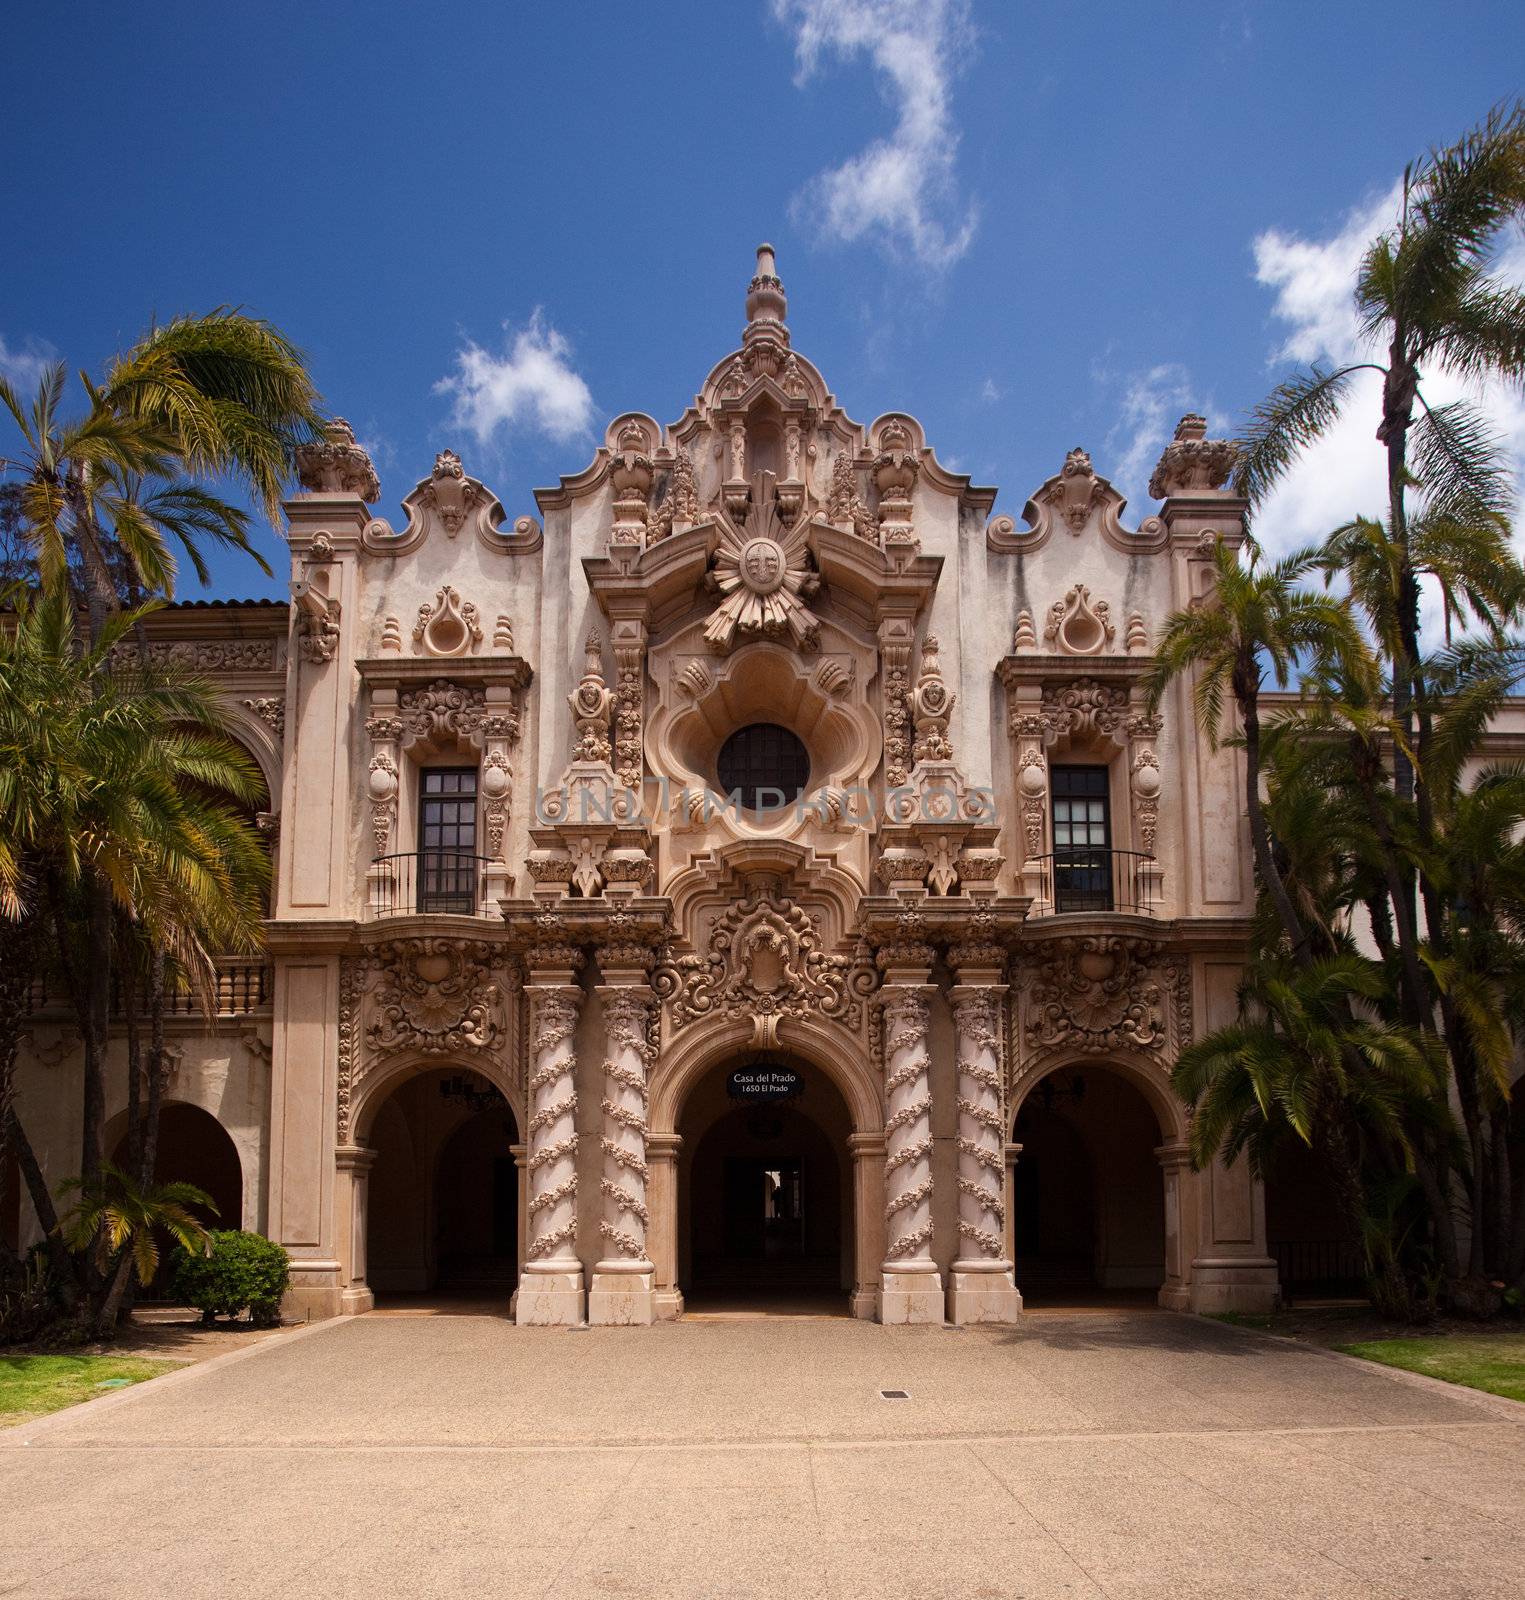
114,490
1255,616
119,777
117,1218
1425,293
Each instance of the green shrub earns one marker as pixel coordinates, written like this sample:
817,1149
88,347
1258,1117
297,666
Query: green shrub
243,1270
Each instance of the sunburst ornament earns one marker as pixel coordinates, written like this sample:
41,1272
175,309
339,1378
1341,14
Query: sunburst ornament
764,577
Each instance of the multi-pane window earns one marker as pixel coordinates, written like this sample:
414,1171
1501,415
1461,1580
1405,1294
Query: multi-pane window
767,766
447,840
1082,839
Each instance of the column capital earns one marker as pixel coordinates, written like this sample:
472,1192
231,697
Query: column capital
865,1145
972,988
354,1157
1174,1155
663,1146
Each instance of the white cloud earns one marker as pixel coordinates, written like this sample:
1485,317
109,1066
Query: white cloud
1153,402
531,385
1344,473
25,365
901,190
989,393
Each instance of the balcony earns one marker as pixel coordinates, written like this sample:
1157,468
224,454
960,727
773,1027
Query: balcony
430,883
1086,878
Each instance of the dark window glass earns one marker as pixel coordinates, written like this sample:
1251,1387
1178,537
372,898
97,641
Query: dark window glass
1082,839
764,765
447,840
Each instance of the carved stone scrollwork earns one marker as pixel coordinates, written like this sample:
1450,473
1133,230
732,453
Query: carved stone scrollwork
629,705
437,996
352,974
442,713
1073,493
1094,993
591,702
764,962
931,705
271,710
1084,709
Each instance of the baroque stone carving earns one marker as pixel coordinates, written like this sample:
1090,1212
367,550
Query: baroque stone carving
1095,993
271,710
931,705
441,713
623,1142
591,702
764,961
981,1123
447,625
908,1125
202,655
680,504
552,1127
450,492
630,474
336,464
1026,637
1077,626
764,577
895,469
352,971
1193,463
437,996
1084,709
1073,493
843,506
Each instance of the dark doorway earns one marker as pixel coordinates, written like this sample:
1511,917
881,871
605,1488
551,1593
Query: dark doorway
1088,1201
766,1212
443,1217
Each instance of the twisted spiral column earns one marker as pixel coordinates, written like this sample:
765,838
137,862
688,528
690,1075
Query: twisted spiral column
981,1287
910,1285
550,1286
622,1290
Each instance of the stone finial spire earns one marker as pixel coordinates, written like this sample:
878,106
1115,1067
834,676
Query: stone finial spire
1193,463
767,306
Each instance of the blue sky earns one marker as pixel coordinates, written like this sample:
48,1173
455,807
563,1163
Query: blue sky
1032,226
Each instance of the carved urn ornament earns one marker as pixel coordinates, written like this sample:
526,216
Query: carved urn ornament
895,471
931,708
1192,463
630,473
447,626
336,464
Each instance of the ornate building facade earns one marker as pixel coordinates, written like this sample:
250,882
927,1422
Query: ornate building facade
757,874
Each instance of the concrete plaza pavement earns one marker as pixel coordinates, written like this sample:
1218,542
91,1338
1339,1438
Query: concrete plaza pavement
1076,1455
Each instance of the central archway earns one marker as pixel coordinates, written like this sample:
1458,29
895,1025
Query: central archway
765,1189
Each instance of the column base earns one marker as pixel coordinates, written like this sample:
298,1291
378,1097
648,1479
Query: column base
550,1300
622,1300
356,1300
911,1297
667,1304
983,1297
864,1304
315,1292
1230,1284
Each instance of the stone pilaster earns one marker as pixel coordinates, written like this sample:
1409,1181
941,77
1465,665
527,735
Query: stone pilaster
910,1286
551,1284
982,1288
353,1163
662,1235
623,1287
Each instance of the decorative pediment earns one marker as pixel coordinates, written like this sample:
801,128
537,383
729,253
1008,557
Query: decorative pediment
1076,502
450,500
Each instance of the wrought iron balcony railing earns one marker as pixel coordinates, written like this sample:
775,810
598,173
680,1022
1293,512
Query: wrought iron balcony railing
429,883
1084,878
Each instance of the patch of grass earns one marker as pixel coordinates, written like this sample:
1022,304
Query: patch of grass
1494,1363
31,1386
1242,1319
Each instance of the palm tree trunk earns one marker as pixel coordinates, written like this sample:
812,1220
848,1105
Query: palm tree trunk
156,1060
111,1306
1260,833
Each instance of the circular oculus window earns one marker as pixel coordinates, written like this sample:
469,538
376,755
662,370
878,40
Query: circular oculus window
765,767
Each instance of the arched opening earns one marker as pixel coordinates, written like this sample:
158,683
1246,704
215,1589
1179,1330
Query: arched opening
195,1148
765,1217
1088,1200
442,1213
